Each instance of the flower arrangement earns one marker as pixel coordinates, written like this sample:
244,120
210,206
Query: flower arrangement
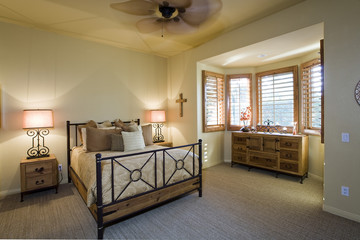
245,116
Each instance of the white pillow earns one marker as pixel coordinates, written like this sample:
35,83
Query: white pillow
133,140
83,133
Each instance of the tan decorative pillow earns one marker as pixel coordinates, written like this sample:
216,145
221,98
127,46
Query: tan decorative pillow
98,139
105,124
117,142
131,127
91,123
147,133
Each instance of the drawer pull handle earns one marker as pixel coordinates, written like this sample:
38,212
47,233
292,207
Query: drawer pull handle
39,182
287,144
39,170
288,155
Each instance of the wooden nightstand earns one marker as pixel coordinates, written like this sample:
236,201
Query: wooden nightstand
38,174
164,144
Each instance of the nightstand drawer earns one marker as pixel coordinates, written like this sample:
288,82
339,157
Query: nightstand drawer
39,182
38,168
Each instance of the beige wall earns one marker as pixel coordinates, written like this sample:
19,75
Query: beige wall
342,54
82,80
78,79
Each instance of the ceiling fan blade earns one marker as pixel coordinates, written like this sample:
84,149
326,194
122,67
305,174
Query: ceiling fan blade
136,7
175,3
149,25
200,11
179,27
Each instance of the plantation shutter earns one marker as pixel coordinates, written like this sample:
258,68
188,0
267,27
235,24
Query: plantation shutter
311,84
213,102
277,96
238,98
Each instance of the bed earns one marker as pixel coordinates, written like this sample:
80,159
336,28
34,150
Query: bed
118,184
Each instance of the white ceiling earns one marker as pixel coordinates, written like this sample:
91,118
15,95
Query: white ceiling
281,48
94,20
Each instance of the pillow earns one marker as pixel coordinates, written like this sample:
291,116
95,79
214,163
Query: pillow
105,124
133,140
147,134
117,142
98,139
131,127
91,123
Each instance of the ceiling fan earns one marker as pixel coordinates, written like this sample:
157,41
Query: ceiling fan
175,16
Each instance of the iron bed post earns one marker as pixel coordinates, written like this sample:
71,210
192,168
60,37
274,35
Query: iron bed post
68,149
200,167
99,202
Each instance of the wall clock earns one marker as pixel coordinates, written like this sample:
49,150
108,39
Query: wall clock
357,93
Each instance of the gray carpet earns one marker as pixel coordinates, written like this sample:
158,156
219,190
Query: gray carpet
236,204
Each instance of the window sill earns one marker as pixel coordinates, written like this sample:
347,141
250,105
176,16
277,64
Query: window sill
311,132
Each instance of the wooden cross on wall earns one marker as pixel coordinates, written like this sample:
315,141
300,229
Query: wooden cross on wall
181,100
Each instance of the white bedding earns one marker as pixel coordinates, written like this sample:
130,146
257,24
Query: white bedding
84,164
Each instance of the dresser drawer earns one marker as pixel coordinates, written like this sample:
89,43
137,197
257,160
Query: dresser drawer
37,182
239,148
290,167
239,139
289,143
290,155
36,169
264,160
239,157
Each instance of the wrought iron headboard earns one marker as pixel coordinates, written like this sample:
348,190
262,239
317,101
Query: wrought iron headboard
72,128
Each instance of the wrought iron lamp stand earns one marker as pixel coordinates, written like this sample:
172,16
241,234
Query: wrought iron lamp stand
38,148
158,137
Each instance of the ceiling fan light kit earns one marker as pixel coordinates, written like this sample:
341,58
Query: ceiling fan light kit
175,16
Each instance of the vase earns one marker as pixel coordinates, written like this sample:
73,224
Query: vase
245,129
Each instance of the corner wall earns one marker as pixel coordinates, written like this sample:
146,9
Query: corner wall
341,73
79,80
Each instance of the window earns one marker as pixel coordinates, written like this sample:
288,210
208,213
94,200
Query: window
213,102
311,84
277,96
238,99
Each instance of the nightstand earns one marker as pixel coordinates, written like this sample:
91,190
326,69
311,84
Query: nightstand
38,174
164,144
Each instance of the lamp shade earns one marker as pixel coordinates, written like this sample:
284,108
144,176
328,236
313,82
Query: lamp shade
38,118
157,116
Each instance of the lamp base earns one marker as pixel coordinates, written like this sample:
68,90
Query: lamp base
39,156
158,141
38,148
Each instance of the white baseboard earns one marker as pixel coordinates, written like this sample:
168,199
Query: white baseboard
341,213
317,177
6,193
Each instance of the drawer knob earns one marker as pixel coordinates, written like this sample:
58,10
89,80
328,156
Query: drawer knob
288,144
39,182
39,170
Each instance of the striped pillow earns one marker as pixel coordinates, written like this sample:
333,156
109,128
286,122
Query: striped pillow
133,140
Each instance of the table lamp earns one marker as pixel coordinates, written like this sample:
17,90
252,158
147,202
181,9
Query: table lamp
37,121
157,117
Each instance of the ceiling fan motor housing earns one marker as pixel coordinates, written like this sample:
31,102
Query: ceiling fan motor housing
166,11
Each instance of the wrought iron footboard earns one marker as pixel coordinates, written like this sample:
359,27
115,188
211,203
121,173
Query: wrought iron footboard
136,174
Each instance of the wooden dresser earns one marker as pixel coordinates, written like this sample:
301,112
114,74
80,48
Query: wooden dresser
283,153
38,174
